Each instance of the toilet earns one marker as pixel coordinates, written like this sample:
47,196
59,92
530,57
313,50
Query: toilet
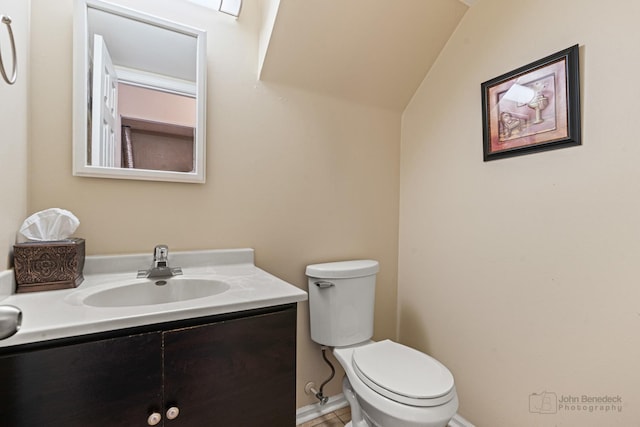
387,384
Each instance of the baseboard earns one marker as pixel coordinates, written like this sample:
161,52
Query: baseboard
310,412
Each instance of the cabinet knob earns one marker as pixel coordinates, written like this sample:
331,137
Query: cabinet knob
173,412
154,419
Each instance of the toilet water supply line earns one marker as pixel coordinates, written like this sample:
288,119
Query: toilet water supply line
318,393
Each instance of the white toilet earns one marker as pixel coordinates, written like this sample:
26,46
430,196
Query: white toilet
387,384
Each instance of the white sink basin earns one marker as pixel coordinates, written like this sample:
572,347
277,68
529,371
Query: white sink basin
158,291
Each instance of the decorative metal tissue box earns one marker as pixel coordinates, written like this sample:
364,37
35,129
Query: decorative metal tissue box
45,266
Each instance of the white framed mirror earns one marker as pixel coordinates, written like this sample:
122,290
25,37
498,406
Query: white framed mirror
139,95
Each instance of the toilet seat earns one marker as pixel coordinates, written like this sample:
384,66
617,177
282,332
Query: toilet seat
403,374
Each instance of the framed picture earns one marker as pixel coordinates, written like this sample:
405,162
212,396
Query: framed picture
534,108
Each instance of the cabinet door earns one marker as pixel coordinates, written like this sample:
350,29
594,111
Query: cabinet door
112,382
233,373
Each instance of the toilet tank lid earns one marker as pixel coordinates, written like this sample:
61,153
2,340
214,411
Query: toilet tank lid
343,269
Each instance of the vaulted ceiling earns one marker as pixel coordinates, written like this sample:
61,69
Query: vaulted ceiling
375,52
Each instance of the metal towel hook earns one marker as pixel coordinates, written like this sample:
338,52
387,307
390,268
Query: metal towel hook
7,21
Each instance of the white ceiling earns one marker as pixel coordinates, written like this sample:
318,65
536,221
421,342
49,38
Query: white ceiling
374,52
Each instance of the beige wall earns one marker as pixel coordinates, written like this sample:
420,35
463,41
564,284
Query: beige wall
13,128
299,177
521,274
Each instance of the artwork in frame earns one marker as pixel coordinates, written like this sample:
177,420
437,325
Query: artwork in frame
533,108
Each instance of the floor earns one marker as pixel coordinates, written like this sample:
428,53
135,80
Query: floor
337,418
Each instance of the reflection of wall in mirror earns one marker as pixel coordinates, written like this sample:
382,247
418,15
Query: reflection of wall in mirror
161,147
156,105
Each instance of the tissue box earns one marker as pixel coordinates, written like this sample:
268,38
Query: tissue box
44,266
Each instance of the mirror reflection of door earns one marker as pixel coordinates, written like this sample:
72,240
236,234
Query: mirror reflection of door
138,126
144,105
104,148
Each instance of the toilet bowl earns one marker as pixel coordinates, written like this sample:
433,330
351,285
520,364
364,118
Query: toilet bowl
387,384
396,391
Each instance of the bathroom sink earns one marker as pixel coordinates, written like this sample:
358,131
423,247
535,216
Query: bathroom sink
155,291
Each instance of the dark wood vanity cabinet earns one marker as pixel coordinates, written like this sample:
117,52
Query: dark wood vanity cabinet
103,383
231,370
235,373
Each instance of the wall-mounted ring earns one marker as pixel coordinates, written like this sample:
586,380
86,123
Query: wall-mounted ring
7,21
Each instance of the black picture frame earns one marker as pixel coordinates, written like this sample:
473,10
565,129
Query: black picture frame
533,108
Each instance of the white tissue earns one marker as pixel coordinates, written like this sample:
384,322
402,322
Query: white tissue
49,224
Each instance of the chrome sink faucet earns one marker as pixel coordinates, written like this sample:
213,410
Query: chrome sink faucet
160,266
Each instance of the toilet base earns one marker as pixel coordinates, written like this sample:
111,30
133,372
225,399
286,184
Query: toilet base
357,418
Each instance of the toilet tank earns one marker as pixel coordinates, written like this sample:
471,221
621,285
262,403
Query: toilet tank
341,301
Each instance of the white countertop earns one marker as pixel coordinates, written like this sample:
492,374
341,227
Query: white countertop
48,315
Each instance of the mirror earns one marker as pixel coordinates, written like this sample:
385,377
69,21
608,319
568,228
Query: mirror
138,95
